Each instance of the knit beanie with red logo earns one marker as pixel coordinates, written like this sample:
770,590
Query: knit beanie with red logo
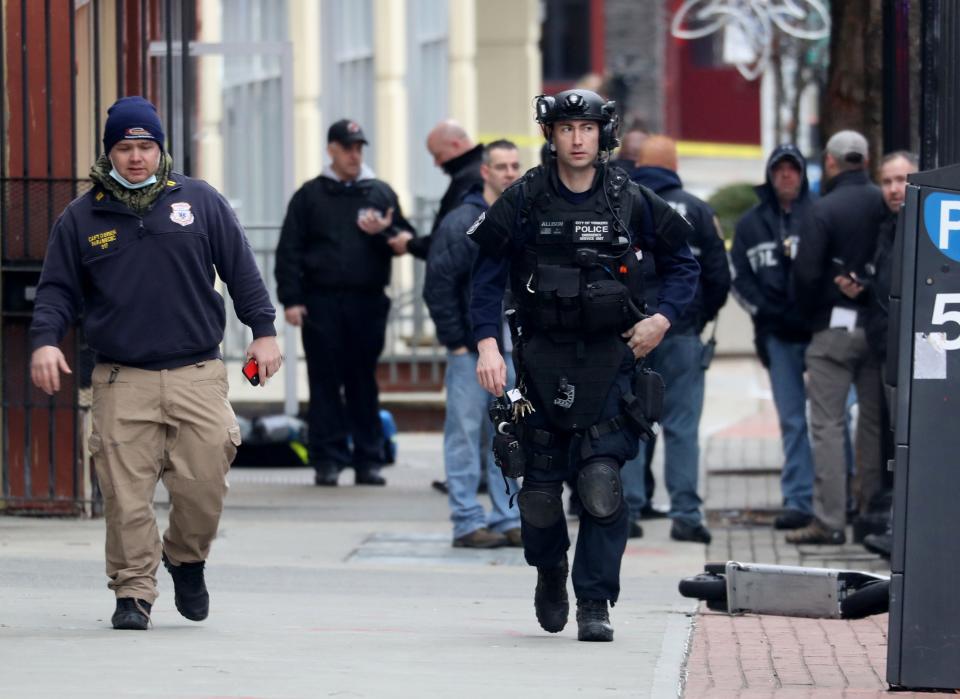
132,118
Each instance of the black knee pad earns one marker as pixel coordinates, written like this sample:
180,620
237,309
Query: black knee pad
600,490
540,503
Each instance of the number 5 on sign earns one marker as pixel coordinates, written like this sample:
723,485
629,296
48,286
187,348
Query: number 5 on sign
941,316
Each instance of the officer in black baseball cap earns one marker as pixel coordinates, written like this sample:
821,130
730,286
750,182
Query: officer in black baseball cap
345,132
333,263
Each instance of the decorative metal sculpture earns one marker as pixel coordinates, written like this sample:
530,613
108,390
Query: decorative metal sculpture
755,21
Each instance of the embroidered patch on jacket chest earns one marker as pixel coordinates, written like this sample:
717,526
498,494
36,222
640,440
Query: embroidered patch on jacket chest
181,214
102,240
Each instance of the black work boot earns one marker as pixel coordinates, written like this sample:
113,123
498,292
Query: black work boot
880,544
189,591
593,620
550,598
132,614
369,475
326,475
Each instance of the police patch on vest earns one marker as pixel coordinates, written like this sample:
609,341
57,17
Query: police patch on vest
592,232
181,214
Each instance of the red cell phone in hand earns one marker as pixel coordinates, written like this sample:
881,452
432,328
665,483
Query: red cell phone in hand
251,371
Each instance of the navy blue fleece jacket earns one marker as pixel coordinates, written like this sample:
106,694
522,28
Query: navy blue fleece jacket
144,284
446,287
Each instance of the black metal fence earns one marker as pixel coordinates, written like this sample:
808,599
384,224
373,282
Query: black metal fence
56,79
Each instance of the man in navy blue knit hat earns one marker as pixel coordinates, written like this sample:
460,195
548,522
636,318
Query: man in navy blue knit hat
139,253
132,118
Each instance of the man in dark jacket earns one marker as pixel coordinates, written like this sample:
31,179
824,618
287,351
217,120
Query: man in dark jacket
467,441
679,357
333,262
894,170
837,248
455,153
764,248
139,255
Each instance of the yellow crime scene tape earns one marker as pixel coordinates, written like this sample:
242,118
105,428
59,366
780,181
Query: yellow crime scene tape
686,149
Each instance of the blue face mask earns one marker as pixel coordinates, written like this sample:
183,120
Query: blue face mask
130,185
127,183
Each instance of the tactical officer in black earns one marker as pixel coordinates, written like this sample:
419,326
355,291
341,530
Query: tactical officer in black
568,236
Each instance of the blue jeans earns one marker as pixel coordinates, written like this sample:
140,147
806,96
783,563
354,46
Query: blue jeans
790,398
677,360
468,447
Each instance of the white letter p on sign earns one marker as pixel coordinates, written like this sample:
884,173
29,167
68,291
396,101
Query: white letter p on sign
946,225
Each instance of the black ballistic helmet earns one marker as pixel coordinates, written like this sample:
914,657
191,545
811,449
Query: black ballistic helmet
581,104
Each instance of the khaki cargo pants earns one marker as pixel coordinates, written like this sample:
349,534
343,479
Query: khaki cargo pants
176,425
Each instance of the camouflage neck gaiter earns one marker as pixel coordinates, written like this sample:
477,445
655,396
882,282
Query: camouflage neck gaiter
138,200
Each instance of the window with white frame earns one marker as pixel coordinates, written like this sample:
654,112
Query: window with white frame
427,61
348,85
252,112
253,115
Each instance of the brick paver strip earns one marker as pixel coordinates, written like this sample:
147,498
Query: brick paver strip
772,657
783,657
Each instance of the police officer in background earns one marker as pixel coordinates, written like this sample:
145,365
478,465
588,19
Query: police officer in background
680,358
334,259
568,236
836,249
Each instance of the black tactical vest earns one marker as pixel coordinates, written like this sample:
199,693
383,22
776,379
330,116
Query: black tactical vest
576,290
579,274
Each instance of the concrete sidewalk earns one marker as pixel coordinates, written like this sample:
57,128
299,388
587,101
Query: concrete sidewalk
348,592
356,592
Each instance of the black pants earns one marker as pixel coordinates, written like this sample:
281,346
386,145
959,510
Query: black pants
600,546
343,336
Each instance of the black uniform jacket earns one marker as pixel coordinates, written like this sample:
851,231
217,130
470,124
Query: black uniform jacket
705,243
322,248
846,223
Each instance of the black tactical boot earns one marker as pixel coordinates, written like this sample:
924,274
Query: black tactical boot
369,475
550,599
880,544
132,614
593,620
326,475
189,591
